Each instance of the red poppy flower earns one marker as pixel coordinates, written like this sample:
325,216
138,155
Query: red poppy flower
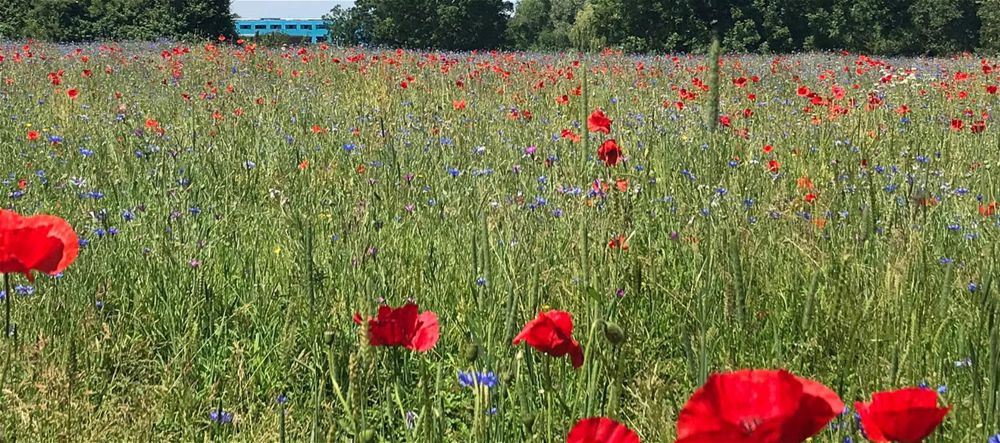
768,149
316,129
810,197
773,166
458,104
804,182
978,127
566,133
956,124
552,333
619,242
724,120
72,93
992,89
32,135
598,122
803,91
757,406
601,430
988,210
404,326
904,416
609,152
43,243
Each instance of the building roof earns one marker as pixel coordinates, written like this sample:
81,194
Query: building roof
285,9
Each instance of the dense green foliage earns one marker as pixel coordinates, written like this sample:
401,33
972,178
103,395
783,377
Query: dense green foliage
874,26
85,20
451,24
937,27
871,26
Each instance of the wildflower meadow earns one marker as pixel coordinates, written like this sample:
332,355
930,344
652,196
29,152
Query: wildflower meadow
224,242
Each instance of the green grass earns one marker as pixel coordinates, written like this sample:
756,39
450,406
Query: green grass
286,256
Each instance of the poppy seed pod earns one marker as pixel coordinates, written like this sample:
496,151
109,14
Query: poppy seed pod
507,377
472,352
614,333
367,436
528,419
328,337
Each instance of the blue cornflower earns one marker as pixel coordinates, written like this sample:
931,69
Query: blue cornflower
454,172
972,286
349,147
194,210
946,261
481,281
220,416
488,379
112,231
100,232
282,399
55,139
24,290
128,215
466,379
994,439
86,152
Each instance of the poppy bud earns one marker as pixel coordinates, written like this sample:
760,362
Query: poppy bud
367,436
328,337
614,333
472,352
507,377
528,419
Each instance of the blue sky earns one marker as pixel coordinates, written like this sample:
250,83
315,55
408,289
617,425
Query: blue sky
285,8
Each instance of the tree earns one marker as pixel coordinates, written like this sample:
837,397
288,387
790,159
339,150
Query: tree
945,26
471,24
348,26
989,31
530,19
205,18
584,32
12,18
442,24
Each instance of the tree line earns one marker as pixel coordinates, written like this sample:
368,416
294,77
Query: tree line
88,20
937,27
